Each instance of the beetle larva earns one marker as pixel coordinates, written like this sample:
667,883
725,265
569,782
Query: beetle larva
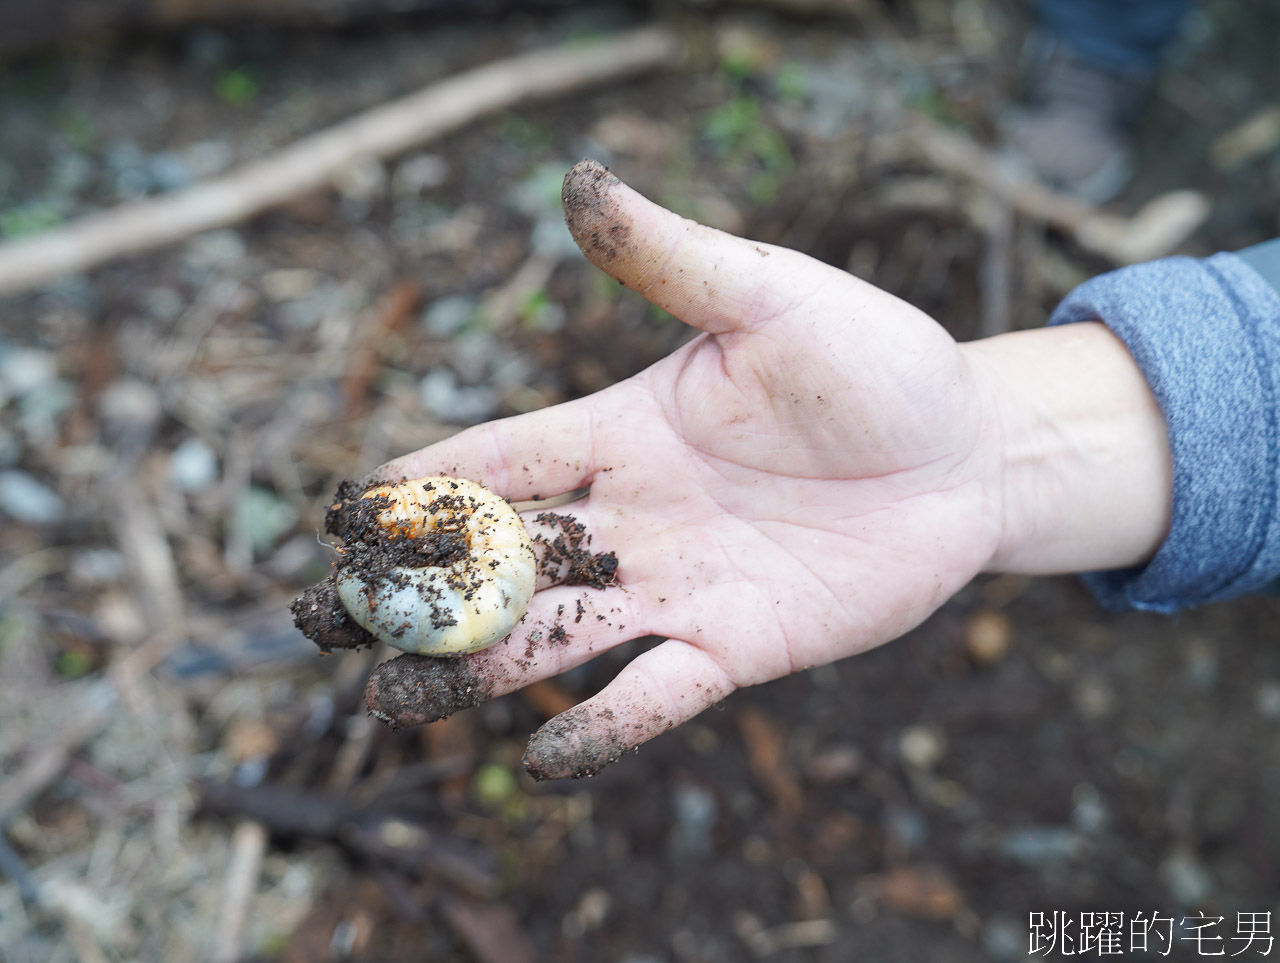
436,566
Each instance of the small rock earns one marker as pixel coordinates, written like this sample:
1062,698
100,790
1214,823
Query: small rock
906,828
1202,665
1186,877
445,317
167,171
540,191
129,404
265,517
1090,813
290,284
96,567
450,402
988,636
1093,698
696,812
1004,939
922,892
26,500
215,250
474,354
418,174
836,764
551,236
1041,845
207,157
164,303
23,370
193,466
921,747
42,409
1268,700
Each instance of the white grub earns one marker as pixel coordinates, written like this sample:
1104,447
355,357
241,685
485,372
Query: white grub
474,599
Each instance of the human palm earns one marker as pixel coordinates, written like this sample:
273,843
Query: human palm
808,478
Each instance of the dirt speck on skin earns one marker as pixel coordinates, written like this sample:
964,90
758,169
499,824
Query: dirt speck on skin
574,745
320,615
412,690
567,558
591,214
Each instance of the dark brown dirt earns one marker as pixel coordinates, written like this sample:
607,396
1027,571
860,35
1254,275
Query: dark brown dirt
413,690
574,745
591,214
320,616
566,559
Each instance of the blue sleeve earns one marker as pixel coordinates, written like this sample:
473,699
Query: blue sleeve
1206,333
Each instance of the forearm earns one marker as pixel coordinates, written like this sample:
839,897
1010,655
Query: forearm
1083,473
1087,479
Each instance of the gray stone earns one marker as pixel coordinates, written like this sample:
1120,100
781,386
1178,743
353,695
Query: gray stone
26,500
193,466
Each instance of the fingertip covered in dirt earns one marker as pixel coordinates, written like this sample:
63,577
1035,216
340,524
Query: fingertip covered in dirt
412,690
591,212
320,615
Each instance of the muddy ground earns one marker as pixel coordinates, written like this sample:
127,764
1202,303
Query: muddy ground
184,777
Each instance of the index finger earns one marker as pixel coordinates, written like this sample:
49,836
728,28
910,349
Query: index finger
535,455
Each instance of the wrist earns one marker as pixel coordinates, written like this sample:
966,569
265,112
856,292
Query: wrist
1082,473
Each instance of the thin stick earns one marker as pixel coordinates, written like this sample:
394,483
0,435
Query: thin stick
312,162
1156,229
247,846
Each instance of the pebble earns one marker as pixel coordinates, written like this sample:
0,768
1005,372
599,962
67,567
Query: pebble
921,747
907,828
290,284
167,171
1004,939
43,407
95,567
474,353
445,317
26,500
1267,700
206,158
835,764
418,174
164,303
450,402
550,235
988,636
696,812
539,193
214,249
1089,815
265,516
1040,845
129,404
1186,877
24,370
1093,698
193,466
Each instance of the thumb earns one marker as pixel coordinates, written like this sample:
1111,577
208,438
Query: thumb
706,278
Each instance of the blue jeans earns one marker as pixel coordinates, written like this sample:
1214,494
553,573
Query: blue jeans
1126,36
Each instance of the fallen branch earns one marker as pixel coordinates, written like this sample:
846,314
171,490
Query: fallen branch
1160,226
314,161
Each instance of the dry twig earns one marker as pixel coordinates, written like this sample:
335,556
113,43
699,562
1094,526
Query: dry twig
1160,226
314,161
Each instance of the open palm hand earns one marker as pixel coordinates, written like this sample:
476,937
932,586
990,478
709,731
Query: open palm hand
808,478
